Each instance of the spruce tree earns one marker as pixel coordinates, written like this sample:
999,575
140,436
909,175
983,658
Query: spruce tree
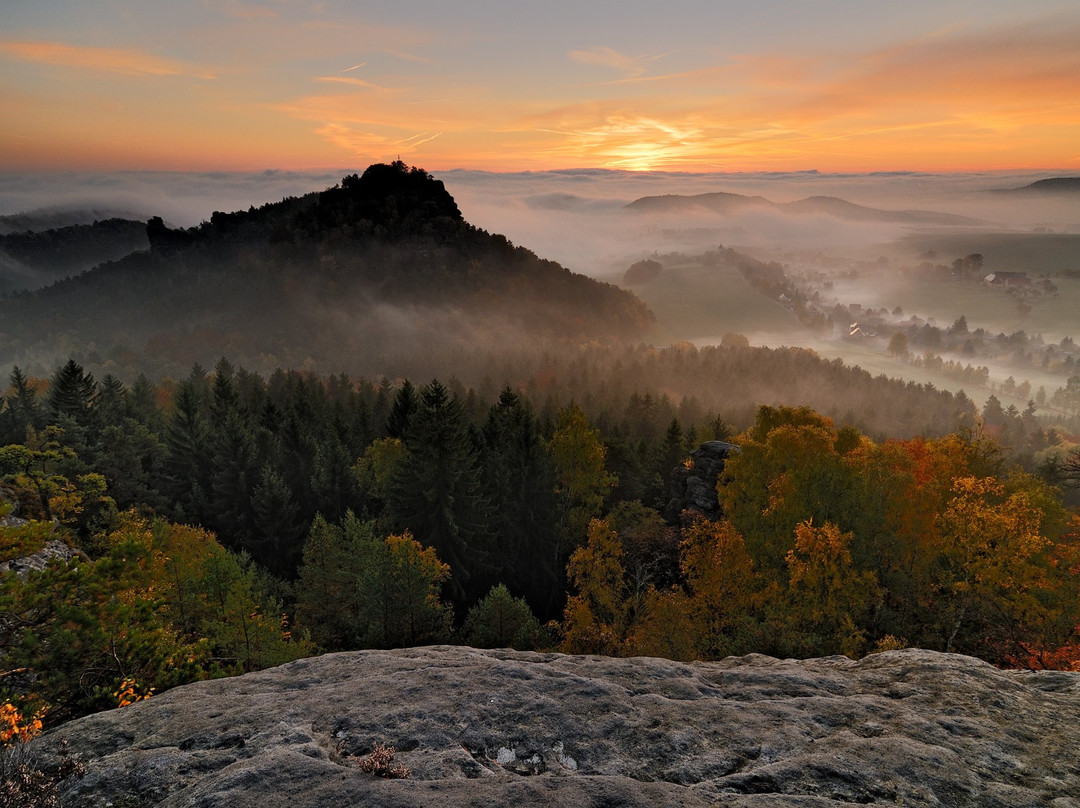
436,492
519,482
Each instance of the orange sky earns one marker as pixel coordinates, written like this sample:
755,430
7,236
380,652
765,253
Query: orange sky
831,85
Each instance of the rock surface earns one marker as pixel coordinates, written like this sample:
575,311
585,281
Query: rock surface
693,487
36,561
481,728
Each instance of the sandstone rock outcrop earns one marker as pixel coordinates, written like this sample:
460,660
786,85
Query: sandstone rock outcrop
480,728
693,487
39,560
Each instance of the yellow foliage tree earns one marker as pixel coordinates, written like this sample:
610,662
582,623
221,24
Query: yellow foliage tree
582,481
721,580
830,598
993,563
596,618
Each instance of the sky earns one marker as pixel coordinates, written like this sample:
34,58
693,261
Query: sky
510,85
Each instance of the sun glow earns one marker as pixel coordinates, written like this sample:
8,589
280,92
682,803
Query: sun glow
308,92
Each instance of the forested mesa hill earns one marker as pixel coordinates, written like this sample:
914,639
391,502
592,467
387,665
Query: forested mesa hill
382,264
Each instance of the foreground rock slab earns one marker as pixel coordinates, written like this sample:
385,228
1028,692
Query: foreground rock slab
482,728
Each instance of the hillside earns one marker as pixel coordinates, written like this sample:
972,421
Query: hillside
501,727
36,258
728,204
1051,185
381,265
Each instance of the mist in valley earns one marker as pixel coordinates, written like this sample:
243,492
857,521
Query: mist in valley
879,258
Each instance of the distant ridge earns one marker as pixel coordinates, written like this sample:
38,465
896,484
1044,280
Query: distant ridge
729,203
57,218
1051,185
32,259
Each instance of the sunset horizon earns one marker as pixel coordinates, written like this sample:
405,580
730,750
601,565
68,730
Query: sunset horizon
786,86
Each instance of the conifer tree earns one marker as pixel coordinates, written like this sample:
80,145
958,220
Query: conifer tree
519,483
72,392
436,492
404,406
22,410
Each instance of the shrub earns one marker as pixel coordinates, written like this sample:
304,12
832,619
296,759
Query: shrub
381,763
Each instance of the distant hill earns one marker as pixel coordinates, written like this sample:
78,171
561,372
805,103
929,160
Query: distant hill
1052,185
56,218
728,204
720,202
381,265
32,259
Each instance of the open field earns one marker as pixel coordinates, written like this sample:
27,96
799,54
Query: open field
692,301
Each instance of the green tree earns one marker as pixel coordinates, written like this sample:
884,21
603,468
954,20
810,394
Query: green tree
21,410
328,601
791,468
518,481
76,631
277,526
500,620
72,393
898,345
436,494
399,592
405,405
187,467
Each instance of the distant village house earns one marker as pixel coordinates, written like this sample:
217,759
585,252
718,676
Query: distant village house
1007,279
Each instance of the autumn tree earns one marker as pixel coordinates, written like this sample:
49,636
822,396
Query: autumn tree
831,600
582,481
597,617
992,564
722,588
790,468
400,587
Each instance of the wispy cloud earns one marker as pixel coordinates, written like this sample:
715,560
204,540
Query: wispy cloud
350,81
608,57
112,60
368,145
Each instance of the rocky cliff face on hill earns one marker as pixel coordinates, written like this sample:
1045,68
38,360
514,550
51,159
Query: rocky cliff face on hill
501,728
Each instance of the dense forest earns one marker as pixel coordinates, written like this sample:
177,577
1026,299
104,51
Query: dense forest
229,522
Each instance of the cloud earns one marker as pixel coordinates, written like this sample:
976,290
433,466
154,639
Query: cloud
371,145
112,60
351,81
608,57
